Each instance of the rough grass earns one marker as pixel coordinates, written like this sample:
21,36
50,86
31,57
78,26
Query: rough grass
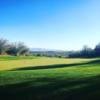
52,79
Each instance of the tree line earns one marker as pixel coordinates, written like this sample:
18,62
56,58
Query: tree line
20,48
15,49
86,52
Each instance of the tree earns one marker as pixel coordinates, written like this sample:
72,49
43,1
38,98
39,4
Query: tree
18,49
3,46
87,52
97,50
22,49
12,49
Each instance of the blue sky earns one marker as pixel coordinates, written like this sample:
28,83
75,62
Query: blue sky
51,24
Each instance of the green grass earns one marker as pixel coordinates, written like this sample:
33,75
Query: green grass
37,61
51,79
3,58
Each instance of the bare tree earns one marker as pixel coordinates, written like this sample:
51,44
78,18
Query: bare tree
3,45
22,49
18,49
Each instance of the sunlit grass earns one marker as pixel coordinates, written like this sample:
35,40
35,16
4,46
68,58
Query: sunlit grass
36,61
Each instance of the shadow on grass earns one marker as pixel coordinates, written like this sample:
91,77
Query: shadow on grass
55,89
58,65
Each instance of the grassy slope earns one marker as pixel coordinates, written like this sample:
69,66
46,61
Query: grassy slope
60,81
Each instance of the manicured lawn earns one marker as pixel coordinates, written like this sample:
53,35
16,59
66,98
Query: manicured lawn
50,79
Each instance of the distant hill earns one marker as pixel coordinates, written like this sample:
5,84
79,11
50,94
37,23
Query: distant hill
38,49
51,53
44,49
